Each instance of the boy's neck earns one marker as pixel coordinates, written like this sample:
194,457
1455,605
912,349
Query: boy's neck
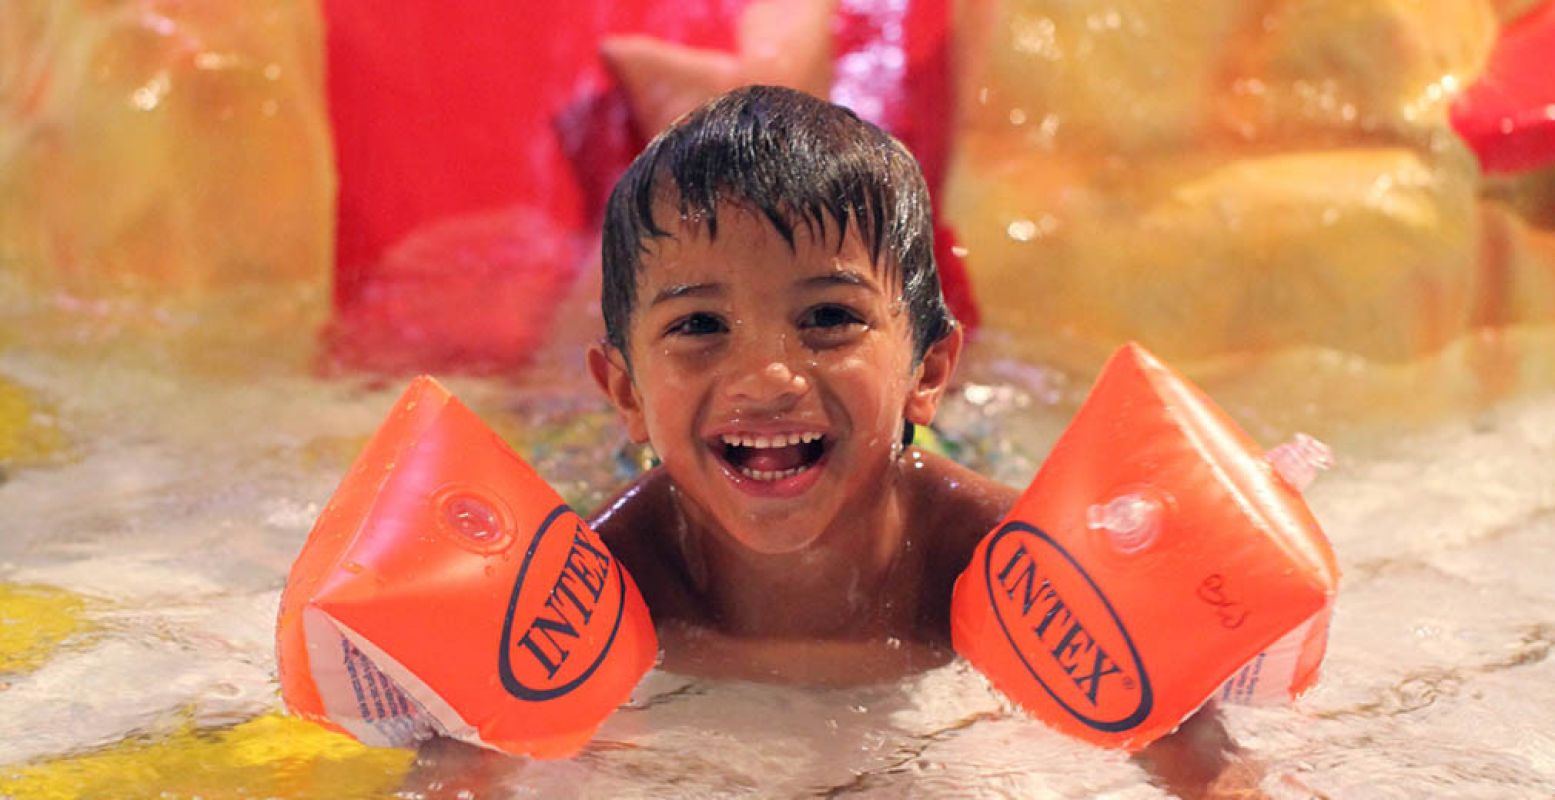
849,583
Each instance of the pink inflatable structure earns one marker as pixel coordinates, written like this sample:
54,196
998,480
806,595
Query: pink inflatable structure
477,142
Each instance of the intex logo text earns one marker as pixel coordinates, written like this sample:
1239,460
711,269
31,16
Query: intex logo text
1064,630
564,637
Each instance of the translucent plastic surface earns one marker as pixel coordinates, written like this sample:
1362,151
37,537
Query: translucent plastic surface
1233,183
162,151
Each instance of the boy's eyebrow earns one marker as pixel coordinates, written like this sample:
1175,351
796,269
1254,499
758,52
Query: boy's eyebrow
843,277
686,290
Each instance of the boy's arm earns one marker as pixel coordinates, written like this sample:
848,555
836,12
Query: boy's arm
1200,759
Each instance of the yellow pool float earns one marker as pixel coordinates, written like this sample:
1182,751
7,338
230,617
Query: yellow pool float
34,622
268,756
29,428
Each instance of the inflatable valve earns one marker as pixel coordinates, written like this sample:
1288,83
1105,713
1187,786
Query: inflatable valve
1157,560
446,589
1131,521
1299,460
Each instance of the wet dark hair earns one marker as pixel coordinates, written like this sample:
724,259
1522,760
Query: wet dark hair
793,159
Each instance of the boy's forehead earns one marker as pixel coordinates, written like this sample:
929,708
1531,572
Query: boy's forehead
734,230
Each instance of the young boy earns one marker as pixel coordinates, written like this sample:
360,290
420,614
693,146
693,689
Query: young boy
774,326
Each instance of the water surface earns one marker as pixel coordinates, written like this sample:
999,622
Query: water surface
190,482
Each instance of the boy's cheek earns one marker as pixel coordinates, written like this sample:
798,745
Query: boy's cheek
666,411
872,373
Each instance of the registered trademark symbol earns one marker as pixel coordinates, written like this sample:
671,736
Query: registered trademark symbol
1128,683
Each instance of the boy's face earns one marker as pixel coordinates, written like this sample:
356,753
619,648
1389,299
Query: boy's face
772,382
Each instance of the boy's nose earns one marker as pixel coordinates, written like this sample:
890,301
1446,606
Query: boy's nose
766,381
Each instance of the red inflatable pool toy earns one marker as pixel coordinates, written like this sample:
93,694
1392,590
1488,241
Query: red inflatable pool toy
1508,115
1157,560
476,143
447,590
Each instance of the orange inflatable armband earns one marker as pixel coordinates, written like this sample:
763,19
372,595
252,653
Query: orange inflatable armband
1157,560
447,589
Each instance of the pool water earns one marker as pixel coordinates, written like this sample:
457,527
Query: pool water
143,552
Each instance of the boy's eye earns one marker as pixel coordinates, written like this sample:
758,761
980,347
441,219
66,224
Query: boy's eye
829,316
696,325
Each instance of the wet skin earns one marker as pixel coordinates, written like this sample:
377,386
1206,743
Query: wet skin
785,525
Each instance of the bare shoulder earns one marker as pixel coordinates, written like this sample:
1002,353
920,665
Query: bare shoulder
959,505
638,508
635,526
953,509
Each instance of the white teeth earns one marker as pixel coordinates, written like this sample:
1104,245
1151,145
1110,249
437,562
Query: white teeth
765,442
771,475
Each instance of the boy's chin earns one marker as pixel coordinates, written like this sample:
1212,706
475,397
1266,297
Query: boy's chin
775,539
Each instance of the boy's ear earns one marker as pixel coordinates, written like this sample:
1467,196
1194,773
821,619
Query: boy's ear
933,376
608,367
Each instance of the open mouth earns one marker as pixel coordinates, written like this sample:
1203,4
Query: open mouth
770,458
